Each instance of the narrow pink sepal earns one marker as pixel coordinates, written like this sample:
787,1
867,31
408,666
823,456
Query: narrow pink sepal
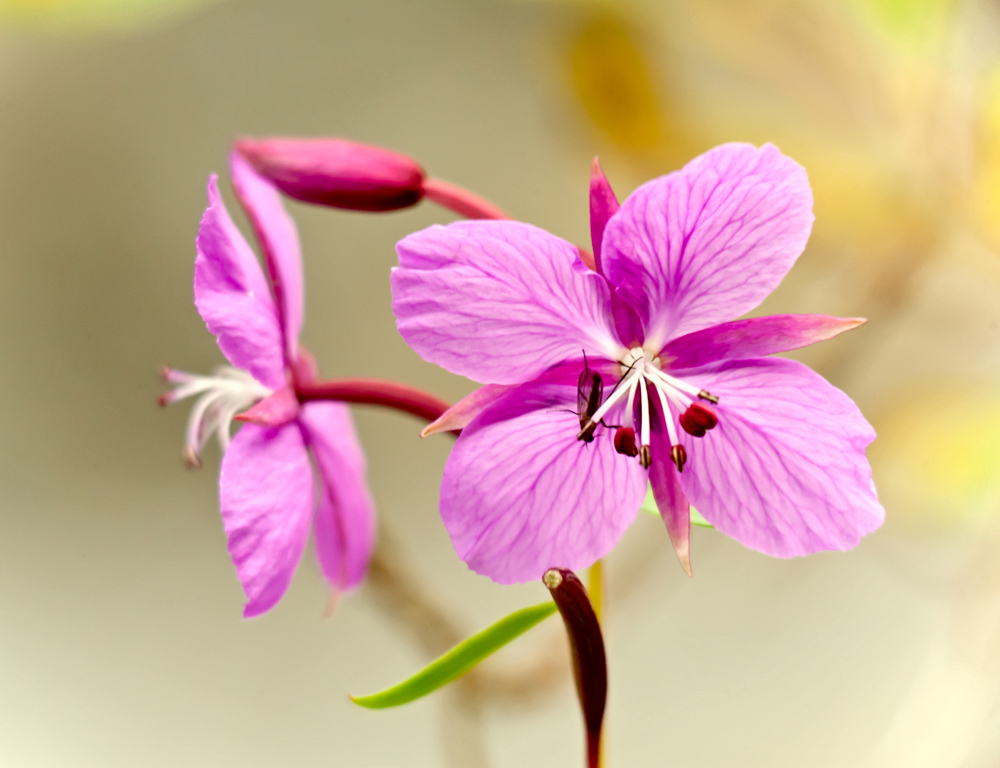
337,173
466,409
754,337
587,258
603,205
670,500
275,410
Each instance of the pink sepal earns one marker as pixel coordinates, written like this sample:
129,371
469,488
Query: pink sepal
466,409
275,410
603,205
670,500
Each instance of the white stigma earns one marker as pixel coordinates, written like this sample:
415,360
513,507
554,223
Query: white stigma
223,395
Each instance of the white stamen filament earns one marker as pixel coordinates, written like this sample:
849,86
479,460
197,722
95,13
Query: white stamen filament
683,386
615,396
681,400
630,406
667,417
223,395
644,413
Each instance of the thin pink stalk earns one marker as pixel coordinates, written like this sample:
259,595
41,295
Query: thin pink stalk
390,394
461,201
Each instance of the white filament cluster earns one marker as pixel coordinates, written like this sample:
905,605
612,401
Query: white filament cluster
640,370
223,395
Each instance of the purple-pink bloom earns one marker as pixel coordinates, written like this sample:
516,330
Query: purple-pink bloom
599,380
269,490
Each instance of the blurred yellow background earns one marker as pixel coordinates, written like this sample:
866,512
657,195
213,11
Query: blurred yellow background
121,642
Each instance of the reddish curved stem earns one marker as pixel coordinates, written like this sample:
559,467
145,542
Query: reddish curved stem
461,201
390,394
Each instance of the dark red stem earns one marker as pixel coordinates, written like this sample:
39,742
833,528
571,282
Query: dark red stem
590,668
461,201
390,394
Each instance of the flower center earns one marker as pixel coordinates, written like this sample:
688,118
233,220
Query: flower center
642,374
223,395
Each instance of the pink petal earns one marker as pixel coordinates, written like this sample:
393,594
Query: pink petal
603,205
233,297
707,243
784,472
670,500
279,240
499,301
266,495
754,337
521,494
345,518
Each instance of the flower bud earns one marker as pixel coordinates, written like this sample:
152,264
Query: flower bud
337,173
586,644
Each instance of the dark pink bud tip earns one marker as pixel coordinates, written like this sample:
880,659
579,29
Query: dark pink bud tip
698,419
337,173
590,668
625,442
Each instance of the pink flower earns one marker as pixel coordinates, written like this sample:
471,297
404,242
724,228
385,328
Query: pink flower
268,491
601,380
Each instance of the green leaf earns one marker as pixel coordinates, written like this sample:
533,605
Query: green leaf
649,506
459,660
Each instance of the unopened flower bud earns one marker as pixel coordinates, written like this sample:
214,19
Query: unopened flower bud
337,173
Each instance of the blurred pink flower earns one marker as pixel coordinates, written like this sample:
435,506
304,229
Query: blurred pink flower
543,474
268,492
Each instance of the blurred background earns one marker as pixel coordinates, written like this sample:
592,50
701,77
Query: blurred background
121,638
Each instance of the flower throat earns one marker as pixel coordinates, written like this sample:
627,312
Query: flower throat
641,371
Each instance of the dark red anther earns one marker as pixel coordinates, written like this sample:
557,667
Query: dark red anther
590,668
678,456
625,441
698,419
